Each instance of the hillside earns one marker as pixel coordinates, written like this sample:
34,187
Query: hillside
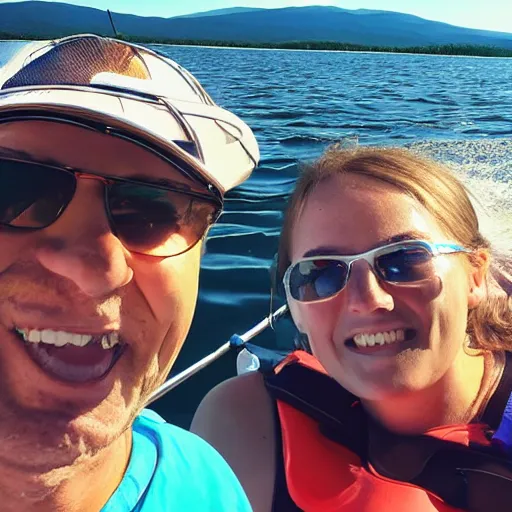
218,12
361,27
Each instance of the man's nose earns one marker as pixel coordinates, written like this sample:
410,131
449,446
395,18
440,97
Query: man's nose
81,247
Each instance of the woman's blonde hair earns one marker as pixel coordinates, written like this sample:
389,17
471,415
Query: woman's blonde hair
443,196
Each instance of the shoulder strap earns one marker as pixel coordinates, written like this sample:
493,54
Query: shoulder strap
268,358
471,478
323,399
494,411
282,501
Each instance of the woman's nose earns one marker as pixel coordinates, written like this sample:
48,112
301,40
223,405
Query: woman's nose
364,293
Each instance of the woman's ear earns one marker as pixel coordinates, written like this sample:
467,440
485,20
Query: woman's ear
478,277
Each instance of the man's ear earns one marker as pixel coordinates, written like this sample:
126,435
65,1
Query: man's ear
478,277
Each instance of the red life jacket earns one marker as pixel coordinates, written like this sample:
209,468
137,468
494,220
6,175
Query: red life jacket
337,460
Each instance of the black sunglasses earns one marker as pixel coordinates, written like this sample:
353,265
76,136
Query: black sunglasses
152,219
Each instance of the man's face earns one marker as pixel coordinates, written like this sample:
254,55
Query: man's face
75,277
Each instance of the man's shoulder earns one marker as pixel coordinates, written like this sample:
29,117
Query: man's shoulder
189,471
171,439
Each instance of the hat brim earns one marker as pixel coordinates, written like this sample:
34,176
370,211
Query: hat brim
226,149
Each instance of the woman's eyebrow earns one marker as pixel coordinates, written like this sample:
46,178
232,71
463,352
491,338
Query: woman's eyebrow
326,250
408,235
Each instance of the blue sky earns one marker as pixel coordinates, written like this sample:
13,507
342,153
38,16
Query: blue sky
484,14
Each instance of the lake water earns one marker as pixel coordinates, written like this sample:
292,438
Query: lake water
458,109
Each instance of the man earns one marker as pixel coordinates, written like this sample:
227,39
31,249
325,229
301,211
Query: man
113,165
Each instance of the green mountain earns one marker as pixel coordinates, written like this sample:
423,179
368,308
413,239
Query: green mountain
361,27
217,12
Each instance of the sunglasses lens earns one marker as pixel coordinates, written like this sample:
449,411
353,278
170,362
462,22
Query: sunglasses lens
32,195
406,265
317,279
155,221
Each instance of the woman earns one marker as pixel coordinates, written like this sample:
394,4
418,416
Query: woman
388,277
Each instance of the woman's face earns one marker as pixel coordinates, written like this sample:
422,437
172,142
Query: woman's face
347,215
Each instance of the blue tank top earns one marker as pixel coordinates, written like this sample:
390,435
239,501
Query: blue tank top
173,470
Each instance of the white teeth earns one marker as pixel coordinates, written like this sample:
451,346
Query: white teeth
105,343
360,340
114,338
380,338
85,339
77,340
61,338
49,337
110,341
34,336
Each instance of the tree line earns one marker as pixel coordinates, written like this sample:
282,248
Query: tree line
440,49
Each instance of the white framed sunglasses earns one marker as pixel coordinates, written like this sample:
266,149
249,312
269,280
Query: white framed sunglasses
319,278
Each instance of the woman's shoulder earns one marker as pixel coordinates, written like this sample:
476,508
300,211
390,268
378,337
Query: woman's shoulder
237,419
238,407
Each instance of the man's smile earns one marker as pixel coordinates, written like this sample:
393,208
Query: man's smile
72,357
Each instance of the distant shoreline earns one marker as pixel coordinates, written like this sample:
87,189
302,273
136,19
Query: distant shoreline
463,50
382,52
